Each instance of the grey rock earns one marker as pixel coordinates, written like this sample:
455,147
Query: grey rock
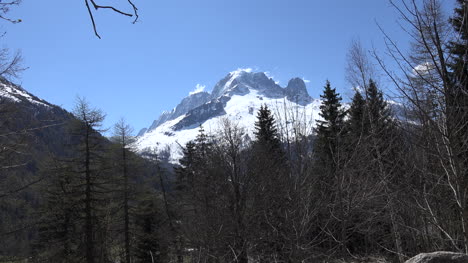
241,83
142,131
296,91
439,257
187,104
197,116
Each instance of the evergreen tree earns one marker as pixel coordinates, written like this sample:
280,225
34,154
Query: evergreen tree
457,108
203,145
198,198
150,245
329,159
58,227
184,172
378,115
266,132
355,123
269,170
331,128
457,111
459,46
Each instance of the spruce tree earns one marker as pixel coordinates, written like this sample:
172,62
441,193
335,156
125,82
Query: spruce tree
457,102
197,196
266,132
381,147
330,129
150,245
458,47
328,150
202,143
355,123
184,172
269,170
378,115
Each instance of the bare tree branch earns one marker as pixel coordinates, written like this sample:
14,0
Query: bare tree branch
114,9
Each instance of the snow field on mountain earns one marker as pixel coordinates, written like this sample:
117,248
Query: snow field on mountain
13,93
241,110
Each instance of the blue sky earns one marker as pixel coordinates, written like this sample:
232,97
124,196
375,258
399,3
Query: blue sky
138,70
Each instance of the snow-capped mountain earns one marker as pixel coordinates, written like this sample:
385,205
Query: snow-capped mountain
238,97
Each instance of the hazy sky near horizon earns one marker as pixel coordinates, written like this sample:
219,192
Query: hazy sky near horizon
138,70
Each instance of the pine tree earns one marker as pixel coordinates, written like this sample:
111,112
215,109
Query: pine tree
203,144
265,128
355,123
381,147
269,170
459,46
150,245
331,128
457,102
328,165
378,115
198,196
184,172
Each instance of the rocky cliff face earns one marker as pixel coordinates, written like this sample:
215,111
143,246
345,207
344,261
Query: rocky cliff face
187,104
296,91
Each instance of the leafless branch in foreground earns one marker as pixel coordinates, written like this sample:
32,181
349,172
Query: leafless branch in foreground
96,6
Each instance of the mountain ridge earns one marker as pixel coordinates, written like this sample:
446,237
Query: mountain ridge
237,96
238,82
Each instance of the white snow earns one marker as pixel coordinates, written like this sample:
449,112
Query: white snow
198,88
240,109
235,74
6,92
14,94
240,70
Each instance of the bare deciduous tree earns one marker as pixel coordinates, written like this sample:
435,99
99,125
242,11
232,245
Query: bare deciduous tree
430,87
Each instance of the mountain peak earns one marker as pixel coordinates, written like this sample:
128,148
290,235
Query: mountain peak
237,96
201,106
296,91
241,81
